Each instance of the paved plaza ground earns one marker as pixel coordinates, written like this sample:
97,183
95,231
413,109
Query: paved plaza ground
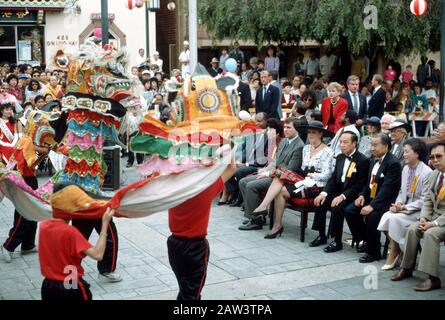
243,265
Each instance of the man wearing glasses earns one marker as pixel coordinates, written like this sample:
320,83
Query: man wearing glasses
430,228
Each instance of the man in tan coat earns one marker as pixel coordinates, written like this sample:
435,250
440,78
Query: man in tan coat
431,227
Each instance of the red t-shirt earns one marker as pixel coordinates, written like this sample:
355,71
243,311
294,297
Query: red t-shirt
191,218
61,245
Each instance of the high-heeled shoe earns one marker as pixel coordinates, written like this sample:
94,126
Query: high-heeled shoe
392,265
274,235
261,213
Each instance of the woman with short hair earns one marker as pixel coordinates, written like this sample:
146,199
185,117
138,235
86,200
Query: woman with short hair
406,209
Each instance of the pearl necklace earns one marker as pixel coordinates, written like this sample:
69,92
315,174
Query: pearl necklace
334,103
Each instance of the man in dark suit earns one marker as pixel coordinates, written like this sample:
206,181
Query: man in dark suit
376,106
356,101
214,69
343,187
380,191
289,156
268,97
245,96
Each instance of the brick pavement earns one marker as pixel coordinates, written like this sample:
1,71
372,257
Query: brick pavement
243,265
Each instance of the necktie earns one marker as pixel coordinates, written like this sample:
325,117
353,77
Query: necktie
440,184
264,92
411,173
356,106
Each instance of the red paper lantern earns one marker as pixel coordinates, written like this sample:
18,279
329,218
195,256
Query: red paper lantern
130,4
418,7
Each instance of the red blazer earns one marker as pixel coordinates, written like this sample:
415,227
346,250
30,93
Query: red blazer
339,109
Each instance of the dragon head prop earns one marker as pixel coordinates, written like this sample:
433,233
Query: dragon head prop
39,129
101,73
206,110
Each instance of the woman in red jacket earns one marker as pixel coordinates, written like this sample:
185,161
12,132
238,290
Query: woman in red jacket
333,108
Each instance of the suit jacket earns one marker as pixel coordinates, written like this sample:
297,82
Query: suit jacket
254,150
245,96
352,186
398,152
270,103
376,105
275,83
388,179
214,72
414,202
289,157
362,104
433,209
339,109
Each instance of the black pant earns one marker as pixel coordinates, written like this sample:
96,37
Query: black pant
336,222
86,226
55,290
232,185
23,231
189,259
365,228
139,157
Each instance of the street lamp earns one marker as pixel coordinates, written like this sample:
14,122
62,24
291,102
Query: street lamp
153,6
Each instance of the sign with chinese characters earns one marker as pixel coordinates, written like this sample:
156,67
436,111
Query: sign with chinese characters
13,16
25,52
62,41
98,16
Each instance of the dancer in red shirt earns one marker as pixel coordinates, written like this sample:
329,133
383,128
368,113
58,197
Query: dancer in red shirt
188,248
63,271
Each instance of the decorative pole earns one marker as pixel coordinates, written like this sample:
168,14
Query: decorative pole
104,19
442,63
193,34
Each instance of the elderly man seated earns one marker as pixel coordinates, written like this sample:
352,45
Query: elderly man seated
386,122
399,131
431,227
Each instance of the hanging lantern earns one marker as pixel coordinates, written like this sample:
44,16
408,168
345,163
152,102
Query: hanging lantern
130,4
139,3
418,7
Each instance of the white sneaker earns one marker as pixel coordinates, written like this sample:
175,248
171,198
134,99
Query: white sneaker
110,277
7,255
24,252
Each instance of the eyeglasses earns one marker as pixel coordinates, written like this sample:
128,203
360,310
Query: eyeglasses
436,156
307,99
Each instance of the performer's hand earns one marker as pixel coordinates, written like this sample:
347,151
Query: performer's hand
366,210
106,218
337,201
422,220
360,201
319,200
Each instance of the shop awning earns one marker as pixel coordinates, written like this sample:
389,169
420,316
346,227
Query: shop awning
36,4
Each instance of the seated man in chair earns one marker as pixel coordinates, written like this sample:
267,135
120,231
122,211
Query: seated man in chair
431,227
289,156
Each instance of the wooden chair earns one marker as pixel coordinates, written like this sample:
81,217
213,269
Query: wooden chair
304,206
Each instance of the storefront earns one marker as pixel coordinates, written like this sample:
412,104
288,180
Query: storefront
22,29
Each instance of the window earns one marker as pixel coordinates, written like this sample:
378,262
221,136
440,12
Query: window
7,36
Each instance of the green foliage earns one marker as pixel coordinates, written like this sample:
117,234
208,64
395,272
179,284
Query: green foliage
331,21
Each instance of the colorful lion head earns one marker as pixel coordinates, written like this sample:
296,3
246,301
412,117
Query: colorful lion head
101,73
38,127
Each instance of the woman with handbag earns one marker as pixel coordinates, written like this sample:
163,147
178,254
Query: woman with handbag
317,167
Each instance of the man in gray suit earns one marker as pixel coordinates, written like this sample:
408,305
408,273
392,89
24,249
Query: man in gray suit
431,227
399,132
289,156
